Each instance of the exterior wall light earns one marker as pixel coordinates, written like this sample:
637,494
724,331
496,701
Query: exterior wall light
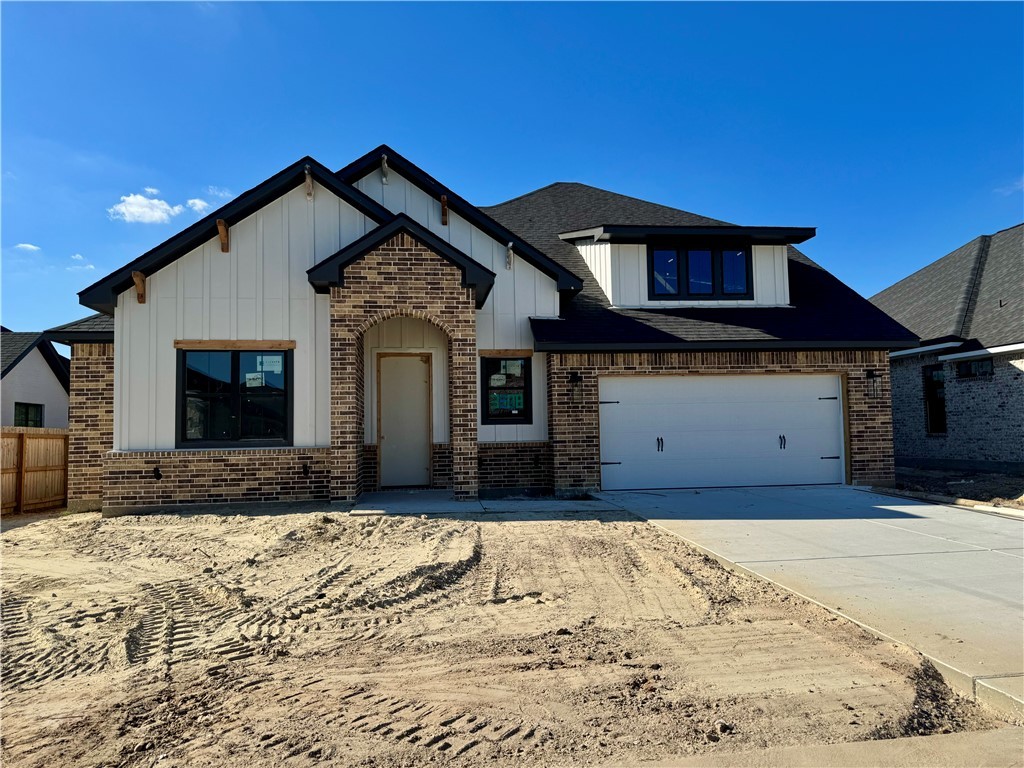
157,474
575,388
873,378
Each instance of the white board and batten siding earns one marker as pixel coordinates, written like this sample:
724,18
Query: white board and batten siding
622,275
33,381
518,293
258,290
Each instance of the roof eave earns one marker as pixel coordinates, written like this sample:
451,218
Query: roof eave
621,233
661,346
356,170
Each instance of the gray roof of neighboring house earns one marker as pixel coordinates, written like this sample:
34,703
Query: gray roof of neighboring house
975,293
98,328
824,312
15,346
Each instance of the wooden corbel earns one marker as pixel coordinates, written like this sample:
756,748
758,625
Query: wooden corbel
140,286
222,230
444,210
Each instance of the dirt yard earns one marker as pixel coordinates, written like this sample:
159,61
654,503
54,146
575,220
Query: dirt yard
991,488
302,639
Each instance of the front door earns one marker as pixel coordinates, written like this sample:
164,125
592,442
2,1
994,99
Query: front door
403,419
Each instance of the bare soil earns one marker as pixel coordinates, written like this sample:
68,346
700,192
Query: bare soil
530,639
989,487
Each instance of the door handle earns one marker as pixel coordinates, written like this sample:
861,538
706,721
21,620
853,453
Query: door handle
659,442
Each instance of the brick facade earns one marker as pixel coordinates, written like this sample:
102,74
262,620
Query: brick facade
215,476
984,416
574,426
90,423
516,466
400,278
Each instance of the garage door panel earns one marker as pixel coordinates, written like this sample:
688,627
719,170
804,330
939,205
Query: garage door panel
720,431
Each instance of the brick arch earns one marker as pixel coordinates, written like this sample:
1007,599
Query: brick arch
401,278
390,314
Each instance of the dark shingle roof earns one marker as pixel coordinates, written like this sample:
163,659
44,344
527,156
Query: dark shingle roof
98,328
15,346
824,311
974,293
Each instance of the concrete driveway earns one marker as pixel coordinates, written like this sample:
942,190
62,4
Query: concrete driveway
946,581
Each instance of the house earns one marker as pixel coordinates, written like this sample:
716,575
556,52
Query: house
35,382
330,333
958,399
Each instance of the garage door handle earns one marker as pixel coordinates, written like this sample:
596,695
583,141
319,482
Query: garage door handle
782,442
659,442
830,457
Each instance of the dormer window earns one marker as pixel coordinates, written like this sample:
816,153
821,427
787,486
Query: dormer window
699,273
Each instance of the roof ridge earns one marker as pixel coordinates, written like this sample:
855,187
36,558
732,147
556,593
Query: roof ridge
970,298
528,194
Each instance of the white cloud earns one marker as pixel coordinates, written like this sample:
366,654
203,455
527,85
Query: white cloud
151,190
220,192
28,247
1008,190
78,257
197,205
145,210
80,268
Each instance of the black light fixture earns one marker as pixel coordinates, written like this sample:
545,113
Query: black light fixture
575,388
157,474
873,378
305,469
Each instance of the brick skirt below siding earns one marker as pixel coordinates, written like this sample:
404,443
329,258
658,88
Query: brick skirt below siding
509,466
215,476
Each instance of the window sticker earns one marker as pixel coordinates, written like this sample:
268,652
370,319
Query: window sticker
269,363
513,367
254,379
498,380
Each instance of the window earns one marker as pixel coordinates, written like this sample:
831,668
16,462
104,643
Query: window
935,399
506,390
234,397
708,273
28,415
972,369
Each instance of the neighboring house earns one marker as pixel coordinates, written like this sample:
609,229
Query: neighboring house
35,382
958,399
329,333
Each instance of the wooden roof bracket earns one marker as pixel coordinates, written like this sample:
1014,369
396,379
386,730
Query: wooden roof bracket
140,286
222,230
444,210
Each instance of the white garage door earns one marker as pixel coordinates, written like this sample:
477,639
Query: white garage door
717,431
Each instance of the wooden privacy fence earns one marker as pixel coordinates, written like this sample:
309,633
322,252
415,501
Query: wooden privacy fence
35,468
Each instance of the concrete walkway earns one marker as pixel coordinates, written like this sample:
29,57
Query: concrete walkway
1003,748
946,581
442,503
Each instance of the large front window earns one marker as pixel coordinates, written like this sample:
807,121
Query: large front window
699,273
234,397
506,390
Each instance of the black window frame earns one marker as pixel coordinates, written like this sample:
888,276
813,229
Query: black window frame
682,252
968,369
485,390
42,414
932,414
181,394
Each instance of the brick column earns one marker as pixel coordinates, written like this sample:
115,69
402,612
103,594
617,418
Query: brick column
90,423
347,386
462,404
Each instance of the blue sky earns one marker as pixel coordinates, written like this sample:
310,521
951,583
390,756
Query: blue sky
896,129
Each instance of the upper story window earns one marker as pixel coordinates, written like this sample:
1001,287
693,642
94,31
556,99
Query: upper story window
234,398
699,273
972,369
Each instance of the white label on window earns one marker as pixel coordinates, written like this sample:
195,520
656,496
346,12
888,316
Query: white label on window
514,367
269,363
254,379
498,380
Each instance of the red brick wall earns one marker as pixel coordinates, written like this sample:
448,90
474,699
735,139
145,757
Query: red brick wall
402,277
574,429
215,476
90,423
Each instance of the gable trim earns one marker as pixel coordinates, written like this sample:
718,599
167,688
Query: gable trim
102,295
53,359
358,169
331,271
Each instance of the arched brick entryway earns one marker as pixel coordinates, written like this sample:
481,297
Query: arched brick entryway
401,278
